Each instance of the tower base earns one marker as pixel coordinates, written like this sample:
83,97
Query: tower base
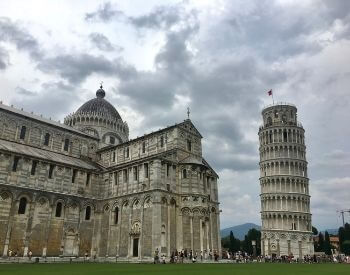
286,243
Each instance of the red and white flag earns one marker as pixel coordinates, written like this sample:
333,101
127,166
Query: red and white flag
269,92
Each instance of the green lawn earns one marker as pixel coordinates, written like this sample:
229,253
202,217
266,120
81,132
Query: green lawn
178,269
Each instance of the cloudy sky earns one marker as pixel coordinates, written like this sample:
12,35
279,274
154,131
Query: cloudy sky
218,57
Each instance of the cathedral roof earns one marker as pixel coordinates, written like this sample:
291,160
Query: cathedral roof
99,106
57,124
46,155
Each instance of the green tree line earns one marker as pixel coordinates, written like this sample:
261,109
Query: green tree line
234,245
322,245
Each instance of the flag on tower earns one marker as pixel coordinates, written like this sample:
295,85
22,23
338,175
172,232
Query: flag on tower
269,92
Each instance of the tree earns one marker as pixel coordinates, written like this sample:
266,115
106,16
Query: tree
341,235
344,238
245,245
252,235
225,242
314,231
347,232
327,244
320,244
346,247
232,242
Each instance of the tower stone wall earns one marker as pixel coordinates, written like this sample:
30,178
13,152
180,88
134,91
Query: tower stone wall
285,199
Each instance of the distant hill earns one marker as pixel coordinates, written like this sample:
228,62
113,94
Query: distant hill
330,231
239,231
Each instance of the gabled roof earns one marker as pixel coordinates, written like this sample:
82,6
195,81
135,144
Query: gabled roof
191,127
181,125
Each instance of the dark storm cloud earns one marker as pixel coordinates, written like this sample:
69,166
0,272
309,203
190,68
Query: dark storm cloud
225,85
13,33
335,9
105,13
271,30
101,42
162,17
77,67
25,92
174,56
4,59
53,98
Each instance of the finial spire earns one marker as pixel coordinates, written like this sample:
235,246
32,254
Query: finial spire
188,112
100,93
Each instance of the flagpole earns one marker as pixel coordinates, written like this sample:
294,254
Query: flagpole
273,100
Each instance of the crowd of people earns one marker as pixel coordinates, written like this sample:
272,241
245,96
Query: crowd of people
242,257
186,256
238,257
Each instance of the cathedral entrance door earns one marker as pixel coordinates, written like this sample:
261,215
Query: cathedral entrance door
135,249
69,246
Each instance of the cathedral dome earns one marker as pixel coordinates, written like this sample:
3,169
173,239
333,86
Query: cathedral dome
99,106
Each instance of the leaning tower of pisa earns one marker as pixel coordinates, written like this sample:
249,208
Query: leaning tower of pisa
285,199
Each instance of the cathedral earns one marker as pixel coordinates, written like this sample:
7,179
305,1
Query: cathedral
82,186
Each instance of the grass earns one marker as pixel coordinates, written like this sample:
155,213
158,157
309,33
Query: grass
178,269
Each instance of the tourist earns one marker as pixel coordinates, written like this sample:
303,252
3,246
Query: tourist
30,254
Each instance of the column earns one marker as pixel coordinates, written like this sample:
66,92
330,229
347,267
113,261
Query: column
191,228
288,168
179,240
9,226
263,247
29,226
120,219
219,236
207,234
201,233
130,237
168,229
109,229
281,204
47,231
156,223
289,247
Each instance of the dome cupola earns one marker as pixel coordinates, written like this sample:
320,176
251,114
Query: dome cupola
100,118
99,106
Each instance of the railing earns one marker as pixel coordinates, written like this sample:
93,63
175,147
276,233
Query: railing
280,123
278,104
